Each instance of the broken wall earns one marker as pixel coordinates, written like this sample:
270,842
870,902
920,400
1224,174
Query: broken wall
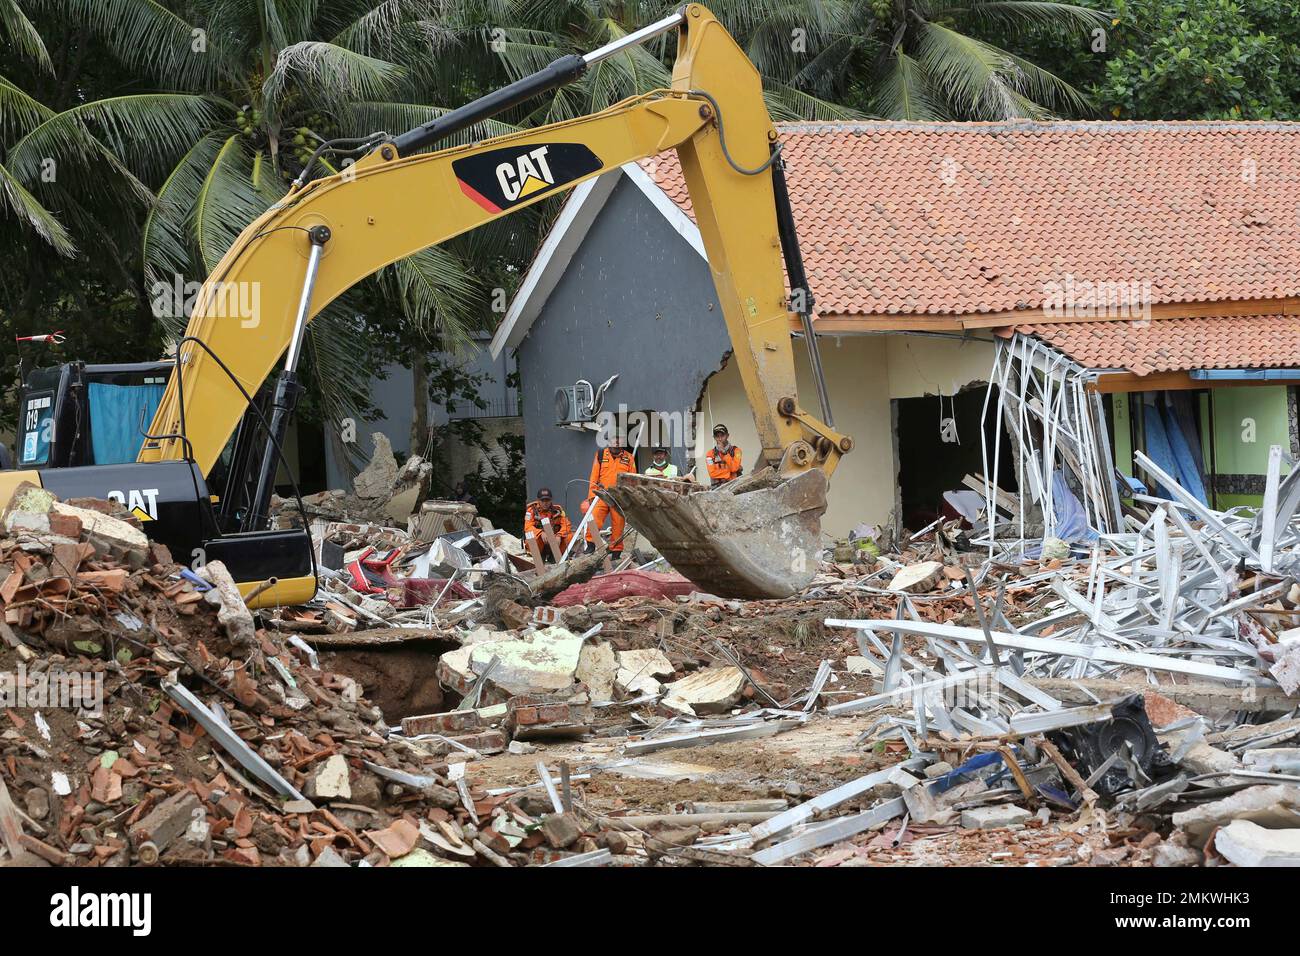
1237,426
635,300
922,365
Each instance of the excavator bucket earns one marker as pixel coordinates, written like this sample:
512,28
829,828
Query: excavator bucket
757,537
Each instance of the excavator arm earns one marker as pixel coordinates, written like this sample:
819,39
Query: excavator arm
328,234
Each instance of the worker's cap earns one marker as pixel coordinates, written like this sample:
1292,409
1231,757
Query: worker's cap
659,451
543,494
720,429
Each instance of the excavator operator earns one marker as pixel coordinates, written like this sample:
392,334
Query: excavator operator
610,462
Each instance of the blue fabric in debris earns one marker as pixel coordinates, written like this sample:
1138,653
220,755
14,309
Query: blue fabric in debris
1167,446
1071,519
117,415
1134,485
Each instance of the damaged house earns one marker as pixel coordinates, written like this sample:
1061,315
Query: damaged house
1023,300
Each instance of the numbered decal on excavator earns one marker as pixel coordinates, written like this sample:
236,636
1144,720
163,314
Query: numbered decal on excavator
501,178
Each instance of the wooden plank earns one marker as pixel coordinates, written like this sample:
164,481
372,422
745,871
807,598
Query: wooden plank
1004,500
552,542
530,541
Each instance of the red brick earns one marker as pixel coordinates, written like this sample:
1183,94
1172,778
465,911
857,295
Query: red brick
67,525
454,722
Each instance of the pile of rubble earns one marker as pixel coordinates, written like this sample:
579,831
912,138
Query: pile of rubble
448,700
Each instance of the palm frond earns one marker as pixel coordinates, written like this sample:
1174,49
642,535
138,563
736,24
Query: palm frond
262,175
371,117
377,31
787,103
902,94
332,72
22,36
16,202
166,246
146,36
335,337
829,64
143,132
225,203
526,51
296,17
1029,14
19,113
969,73
1047,88
436,290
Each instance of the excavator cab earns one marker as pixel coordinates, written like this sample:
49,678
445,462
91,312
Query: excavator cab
80,430
79,414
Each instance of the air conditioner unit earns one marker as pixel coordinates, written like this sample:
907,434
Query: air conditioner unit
573,403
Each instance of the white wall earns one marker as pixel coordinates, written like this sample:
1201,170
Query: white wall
925,365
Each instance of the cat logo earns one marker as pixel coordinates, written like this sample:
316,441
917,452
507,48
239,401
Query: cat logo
501,178
142,502
528,174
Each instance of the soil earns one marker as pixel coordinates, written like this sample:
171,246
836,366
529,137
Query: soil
401,681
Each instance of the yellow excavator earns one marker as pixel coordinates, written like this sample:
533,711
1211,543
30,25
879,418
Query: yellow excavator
757,538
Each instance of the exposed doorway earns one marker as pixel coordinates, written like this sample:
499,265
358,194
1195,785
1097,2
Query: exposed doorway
939,443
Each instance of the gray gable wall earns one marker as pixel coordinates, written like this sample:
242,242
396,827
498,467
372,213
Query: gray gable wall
636,299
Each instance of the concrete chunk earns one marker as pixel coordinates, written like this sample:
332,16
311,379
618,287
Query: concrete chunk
1249,844
597,668
1202,758
545,662
378,478
1273,760
331,782
27,522
710,691
167,821
917,577
991,818
1274,806
856,664
638,670
109,535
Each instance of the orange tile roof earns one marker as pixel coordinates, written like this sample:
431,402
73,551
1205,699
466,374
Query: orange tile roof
1164,345
961,218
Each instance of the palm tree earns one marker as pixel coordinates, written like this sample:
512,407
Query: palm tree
21,112
941,59
233,98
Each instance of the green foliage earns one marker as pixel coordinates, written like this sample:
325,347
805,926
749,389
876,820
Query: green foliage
499,486
498,483
1201,59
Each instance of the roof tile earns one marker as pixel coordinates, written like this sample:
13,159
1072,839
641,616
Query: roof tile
1144,346
952,219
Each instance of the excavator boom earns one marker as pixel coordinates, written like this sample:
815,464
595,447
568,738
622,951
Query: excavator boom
330,233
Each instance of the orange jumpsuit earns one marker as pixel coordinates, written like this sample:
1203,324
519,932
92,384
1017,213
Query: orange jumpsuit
533,517
609,464
723,463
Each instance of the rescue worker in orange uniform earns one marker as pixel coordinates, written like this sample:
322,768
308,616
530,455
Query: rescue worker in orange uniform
609,464
544,508
723,459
